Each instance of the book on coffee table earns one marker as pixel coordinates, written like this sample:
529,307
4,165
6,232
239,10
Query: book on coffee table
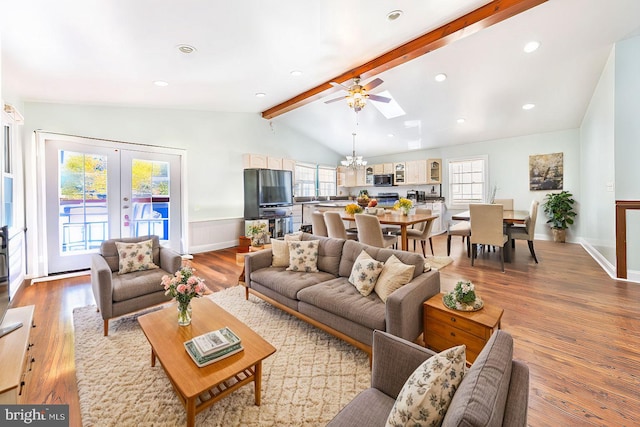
202,360
214,341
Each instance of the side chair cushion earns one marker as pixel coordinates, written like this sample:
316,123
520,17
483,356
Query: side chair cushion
365,272
393,276
427,393
303,256
135,256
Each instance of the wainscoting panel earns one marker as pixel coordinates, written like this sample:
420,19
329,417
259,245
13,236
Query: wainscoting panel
214,234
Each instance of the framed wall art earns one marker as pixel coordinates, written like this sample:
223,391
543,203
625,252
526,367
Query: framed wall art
545,172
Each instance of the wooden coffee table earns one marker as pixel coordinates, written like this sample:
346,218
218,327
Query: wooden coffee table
198,388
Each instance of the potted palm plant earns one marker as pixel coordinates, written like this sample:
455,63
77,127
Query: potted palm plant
558,207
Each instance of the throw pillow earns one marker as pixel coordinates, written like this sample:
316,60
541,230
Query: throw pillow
427,393
365,272
135,256
280,250
393,276
303,256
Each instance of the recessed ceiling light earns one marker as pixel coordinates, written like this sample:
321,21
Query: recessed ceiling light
185,48
440,77
461,120
532,46
260,94
161,83
393,15
296,73
528,106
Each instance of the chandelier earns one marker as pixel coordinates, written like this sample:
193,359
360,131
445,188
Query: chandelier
353,161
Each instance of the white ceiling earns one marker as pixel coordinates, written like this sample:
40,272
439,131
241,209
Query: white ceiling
109,52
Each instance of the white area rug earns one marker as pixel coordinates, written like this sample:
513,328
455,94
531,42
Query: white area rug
306,382
438,262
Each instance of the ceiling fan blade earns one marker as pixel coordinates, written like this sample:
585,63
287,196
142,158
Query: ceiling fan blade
338,85
334,100
379,98
373,83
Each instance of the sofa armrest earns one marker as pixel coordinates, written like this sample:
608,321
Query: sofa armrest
394,359
515,412
102,285
403,312
170,260
254,261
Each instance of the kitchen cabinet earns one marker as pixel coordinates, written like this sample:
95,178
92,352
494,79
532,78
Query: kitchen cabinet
383,168
274,163
254,161
347,177
416,172
297,217
399,173
368,175
434,169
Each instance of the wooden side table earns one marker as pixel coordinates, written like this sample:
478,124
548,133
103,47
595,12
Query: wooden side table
445,328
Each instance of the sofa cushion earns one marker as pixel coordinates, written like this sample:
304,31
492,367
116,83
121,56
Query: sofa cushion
132,285
341,298
364,273
303,256
352,249
280,250
135,256
290,282
110,253
329,252
394,274
428,391
482,395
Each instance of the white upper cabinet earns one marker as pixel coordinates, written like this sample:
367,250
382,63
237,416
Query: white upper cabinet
416,172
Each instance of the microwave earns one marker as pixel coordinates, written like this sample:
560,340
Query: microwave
384,180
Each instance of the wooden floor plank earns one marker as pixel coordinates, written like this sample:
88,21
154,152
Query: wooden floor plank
577,329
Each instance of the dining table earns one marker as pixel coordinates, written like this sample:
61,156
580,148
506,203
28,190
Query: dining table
393,218
509,218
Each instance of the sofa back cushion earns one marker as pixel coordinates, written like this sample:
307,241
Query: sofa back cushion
482,395
352,249
109,250
329,252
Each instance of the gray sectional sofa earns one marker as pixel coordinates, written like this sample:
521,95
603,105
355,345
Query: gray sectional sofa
328,301
494,392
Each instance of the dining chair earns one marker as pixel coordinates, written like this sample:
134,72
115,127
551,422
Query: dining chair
487,228
421,231
336,228
318,226
506,203
462,228
527,232
370,232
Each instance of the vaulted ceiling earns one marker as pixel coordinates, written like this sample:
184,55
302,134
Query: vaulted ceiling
110,52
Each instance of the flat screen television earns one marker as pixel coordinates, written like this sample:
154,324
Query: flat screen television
275,188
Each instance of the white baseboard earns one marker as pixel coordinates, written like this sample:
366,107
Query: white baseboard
610,269
212,247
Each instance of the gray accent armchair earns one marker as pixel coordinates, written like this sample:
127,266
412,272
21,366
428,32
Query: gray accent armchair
494,392
119,294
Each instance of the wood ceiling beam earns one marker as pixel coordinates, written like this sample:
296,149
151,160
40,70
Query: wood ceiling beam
483,17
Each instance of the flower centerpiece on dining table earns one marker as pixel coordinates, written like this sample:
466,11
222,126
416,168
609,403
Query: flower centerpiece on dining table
463,297
353,208
403,204
183,286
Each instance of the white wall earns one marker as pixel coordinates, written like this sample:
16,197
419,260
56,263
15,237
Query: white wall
215,143
597,180
509,169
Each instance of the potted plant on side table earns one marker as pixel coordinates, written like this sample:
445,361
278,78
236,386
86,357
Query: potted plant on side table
558,207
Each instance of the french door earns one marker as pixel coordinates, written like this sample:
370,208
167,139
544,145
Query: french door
95,193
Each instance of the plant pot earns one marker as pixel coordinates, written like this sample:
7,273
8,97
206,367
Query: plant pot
559,235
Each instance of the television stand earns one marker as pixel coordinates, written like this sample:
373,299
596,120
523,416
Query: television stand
6,329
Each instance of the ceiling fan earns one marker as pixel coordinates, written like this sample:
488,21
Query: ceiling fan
357,94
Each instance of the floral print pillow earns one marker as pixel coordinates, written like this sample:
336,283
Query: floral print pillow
303,256
135,256
425,397
365,272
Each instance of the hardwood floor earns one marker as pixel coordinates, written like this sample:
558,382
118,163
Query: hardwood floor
577,329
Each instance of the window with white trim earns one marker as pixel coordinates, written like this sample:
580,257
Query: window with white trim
468,180
326,181
314,180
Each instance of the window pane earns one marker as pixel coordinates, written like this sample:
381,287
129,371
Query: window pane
467,180
150,192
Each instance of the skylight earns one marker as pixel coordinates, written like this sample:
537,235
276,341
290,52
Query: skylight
389,109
